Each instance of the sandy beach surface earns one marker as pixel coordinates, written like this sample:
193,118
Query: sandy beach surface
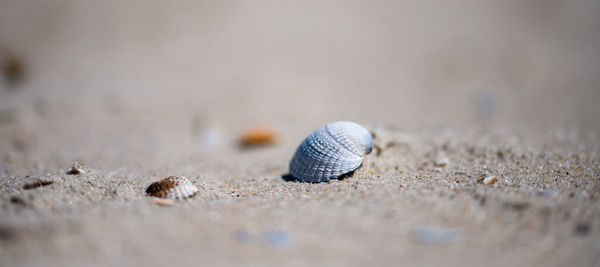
485,120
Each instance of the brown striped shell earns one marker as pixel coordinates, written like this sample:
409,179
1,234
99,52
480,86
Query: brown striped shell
172,187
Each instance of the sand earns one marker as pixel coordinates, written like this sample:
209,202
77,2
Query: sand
542,211
452,93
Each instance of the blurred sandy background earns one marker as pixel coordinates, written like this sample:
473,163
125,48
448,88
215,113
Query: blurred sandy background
149,84
106,70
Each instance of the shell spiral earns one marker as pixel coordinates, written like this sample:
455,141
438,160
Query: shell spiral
331,151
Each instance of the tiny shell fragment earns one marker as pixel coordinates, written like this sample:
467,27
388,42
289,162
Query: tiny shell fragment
258,136
442,162
172,187
77,168
490,180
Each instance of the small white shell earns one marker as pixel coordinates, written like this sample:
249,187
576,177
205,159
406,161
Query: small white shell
331,151
490,180
172,187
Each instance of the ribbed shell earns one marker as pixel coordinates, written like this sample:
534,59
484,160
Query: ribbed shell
331,151
173,187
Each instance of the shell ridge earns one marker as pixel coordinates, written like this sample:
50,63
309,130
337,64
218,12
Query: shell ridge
322,150
336,139
330,165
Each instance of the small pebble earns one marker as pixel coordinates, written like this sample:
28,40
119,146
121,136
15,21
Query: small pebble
516,206
544,192
76,169
437,236
490,180
278,239
18,201
13,67
7,233
582,229
37,183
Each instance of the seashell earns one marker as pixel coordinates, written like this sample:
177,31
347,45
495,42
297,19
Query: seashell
258,136
172,187
331,151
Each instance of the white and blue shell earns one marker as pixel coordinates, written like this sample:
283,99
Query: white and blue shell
331,151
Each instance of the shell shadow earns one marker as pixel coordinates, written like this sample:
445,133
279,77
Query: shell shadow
289,178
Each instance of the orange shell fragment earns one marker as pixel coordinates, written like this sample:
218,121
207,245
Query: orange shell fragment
258,136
